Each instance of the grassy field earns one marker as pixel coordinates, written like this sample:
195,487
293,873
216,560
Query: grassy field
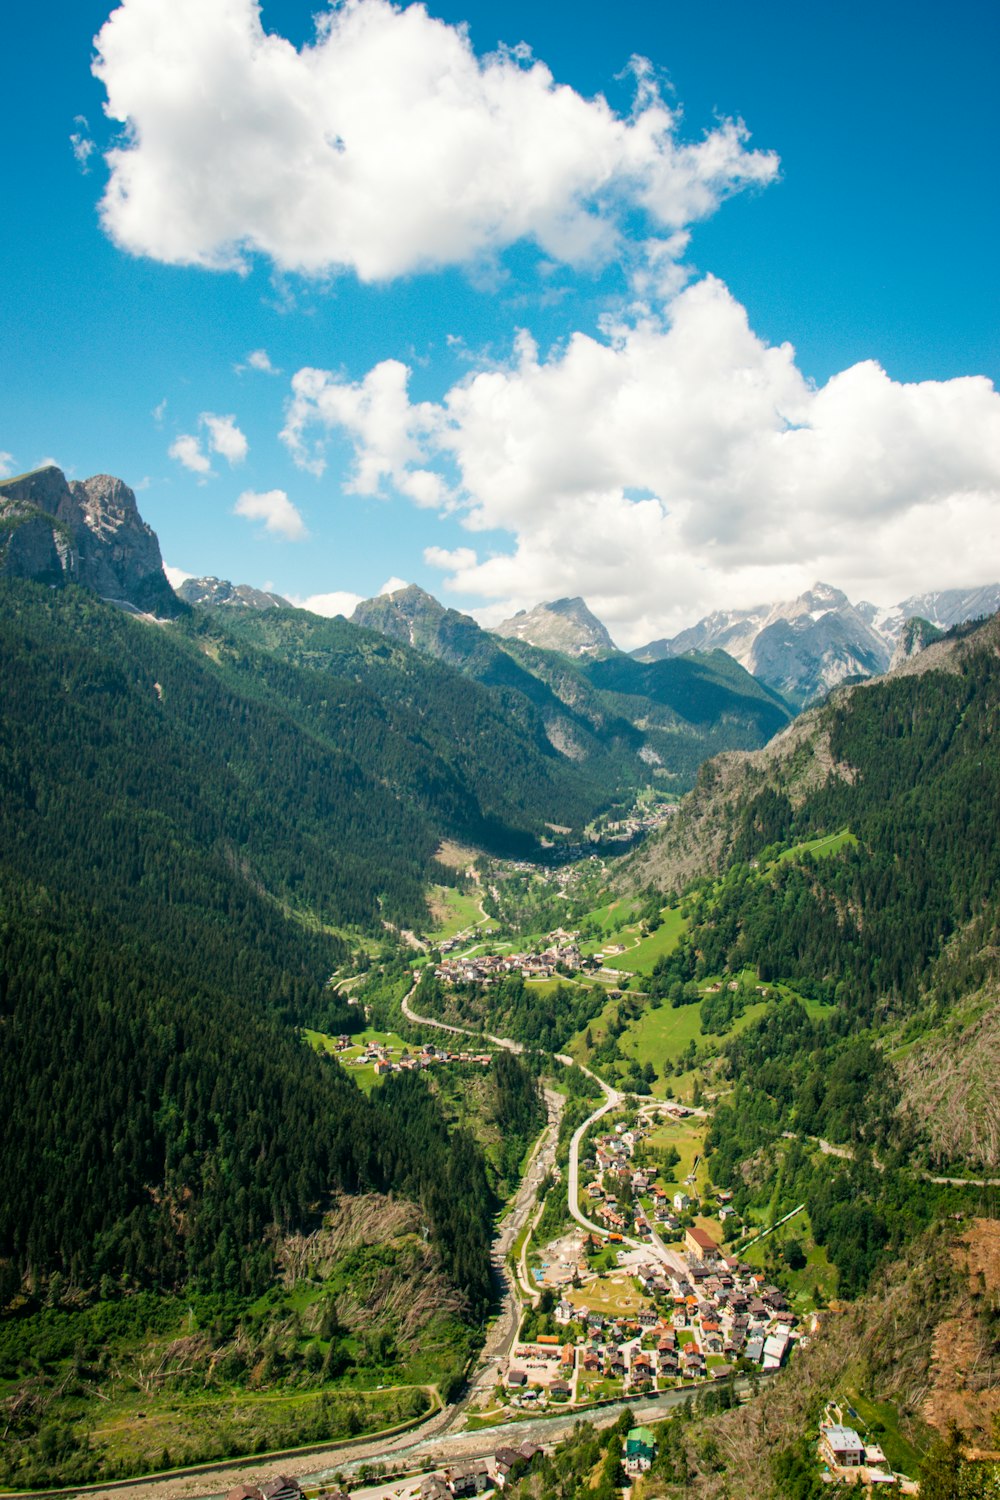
642,958
817,1273
612,1296
822,848
143,1433
454,911
687,1138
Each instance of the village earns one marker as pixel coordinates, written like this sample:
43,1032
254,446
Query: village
383,1058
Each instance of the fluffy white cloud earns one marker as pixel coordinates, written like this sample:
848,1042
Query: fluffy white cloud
275,510
7,465
175,576
188,451
678,464
340,602
385,147
224,437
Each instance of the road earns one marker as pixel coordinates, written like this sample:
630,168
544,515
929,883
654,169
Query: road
498,1041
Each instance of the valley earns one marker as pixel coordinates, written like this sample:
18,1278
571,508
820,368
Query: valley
402,1052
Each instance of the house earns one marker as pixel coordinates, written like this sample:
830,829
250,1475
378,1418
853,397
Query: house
565,1312
640,1450
517,1378
469,1479
841,1447
434,1488
244,1492
699,1245
681,1203
503,1461
281,1488
775,1349
559,1391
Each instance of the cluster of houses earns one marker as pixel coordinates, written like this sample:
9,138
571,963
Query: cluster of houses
454,1483
488,968
382,1056
615,1194
482,1474
700,1324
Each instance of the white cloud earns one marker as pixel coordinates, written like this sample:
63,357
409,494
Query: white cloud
678,464
338,603
259,360
7,465
387,146
224,437
393,585
159,411
175,576
188,451
82,146
275,510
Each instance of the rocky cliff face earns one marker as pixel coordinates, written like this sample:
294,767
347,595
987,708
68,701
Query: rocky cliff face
86,531
565,625
219,593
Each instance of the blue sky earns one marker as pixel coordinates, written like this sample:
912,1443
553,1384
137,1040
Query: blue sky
562,346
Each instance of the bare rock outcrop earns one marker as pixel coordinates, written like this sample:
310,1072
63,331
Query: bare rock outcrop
83,531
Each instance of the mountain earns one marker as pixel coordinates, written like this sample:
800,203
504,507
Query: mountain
87,532
565,625
801,648
942,608
916,635
624,722
725,815
577,721
219,593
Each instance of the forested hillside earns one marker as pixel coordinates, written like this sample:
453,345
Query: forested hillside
181,818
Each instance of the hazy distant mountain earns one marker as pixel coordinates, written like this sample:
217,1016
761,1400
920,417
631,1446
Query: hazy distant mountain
943,608
801,647
219,593
86,531
805,646
565,625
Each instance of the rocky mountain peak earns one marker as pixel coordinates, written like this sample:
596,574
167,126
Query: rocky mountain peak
219,593
565,625
86,531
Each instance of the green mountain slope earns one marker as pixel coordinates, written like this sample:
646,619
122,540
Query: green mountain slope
857,861
169,848
626,722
